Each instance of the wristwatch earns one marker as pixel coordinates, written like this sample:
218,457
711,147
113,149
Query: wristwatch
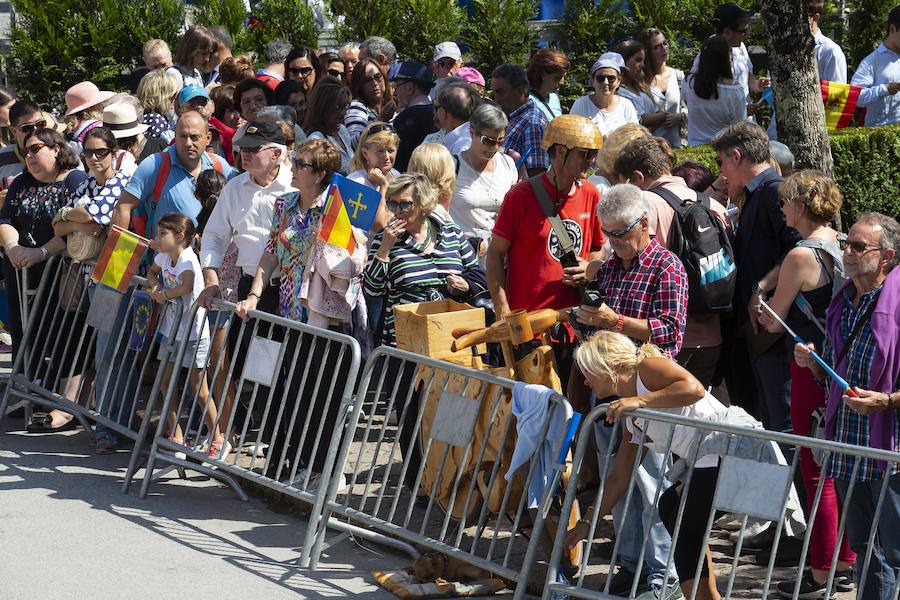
44,252
757,289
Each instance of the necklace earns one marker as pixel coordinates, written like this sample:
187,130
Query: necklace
420,246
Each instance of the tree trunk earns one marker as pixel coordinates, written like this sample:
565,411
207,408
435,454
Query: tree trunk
795,78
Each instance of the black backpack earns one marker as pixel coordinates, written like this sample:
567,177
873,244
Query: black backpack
700,240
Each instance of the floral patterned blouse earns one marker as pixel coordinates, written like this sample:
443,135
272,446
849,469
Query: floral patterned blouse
31,205
291,240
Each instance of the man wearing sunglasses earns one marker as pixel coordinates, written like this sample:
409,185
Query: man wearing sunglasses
24,117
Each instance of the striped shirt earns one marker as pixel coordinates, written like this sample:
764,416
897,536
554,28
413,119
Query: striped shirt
850,426
358,115
411,275
653,287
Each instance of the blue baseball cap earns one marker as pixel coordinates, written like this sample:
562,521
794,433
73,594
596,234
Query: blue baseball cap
411,70
190,92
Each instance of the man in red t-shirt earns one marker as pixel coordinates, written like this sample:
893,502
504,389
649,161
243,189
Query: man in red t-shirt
523,260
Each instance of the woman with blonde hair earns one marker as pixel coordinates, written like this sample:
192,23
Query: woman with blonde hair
605,176
157,91
438,165
373,163
801,291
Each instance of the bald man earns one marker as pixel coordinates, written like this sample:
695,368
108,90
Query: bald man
164,182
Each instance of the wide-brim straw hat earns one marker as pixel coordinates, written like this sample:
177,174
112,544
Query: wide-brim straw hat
121,118
52,123
85,95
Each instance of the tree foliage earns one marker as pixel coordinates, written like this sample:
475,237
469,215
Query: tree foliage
57,43
230,14
498,32
291,20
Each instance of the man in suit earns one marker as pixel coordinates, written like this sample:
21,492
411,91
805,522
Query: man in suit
761,240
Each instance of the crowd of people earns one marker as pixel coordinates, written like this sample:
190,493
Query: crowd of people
492,189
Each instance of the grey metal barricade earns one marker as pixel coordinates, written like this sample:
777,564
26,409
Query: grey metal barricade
747,485
26,289
425,451
87,350
273,397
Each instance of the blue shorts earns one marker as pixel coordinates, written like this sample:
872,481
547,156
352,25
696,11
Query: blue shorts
195,355
218,319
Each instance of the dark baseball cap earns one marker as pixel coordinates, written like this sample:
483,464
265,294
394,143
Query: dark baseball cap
729,16
411,70
260,133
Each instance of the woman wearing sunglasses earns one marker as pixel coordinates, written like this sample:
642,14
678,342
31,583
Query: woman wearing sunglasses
484,175
332,65
809,200
302,65
371,97
328,106
604,107
50,182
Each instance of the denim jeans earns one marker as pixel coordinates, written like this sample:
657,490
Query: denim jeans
884,565
117,384
642,515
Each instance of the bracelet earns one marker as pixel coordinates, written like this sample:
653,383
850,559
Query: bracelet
890,401
620,323
384,260
253,294
44,252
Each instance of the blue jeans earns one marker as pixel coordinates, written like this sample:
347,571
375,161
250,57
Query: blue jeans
116,385
884,565
642,514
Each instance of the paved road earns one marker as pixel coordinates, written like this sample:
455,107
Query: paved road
67,532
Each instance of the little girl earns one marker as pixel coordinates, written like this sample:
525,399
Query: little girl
373,163
176,273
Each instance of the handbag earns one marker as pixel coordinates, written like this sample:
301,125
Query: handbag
82,247
817,419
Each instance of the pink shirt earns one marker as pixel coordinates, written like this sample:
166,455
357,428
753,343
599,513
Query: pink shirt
698,333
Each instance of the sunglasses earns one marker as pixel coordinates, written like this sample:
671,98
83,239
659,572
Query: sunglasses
300,165
489,141
857,247
335,73
27,128
255,150
34,149
198,101
301,71
606,78
99,153
376,78
380,128
623,232
398,207
589,155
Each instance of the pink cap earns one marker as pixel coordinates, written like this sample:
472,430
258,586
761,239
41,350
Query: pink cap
471,75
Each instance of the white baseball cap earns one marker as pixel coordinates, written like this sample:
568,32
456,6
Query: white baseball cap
608,60
446,50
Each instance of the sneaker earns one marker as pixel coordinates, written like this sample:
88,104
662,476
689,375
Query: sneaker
672,591
621,582
728,522
753,532
220,448
179,455
844,581
809,588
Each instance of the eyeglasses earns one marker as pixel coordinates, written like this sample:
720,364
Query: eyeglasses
98,153
398,207
300,165
27,128
376,78
301,71
623,232
857,247
607,78
489,141
335,73
34,149
199,101
256,150
588,154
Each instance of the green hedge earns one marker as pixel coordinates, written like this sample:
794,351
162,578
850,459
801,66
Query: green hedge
866,167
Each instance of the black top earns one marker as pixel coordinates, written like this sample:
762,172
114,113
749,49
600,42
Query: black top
412,125
31,205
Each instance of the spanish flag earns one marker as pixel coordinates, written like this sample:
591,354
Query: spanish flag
840,103
336,228
119,259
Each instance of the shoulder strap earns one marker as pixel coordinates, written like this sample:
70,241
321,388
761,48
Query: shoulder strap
543,198
669,196
848,343
456,160
216,163
161,176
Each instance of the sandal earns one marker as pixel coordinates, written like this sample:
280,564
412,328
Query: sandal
43,423
107,443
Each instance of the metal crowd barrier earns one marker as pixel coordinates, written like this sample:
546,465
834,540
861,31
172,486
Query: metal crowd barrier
27,289
87,351
278,410
748,486
423,457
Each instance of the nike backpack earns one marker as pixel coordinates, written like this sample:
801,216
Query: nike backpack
700,240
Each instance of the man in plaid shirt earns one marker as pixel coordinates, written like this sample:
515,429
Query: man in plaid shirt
646,291
527,123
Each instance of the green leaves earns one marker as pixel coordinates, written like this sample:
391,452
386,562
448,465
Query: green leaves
291,20
499,32
230,14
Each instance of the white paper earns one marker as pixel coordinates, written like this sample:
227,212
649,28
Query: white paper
261,363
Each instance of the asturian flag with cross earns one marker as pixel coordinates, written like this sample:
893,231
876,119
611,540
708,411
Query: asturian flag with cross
361,201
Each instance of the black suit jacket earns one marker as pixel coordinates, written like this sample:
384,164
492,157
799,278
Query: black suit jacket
762,239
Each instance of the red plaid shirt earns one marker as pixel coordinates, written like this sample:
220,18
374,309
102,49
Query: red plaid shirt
654,287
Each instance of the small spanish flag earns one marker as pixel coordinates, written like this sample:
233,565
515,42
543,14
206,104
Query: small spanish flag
119,259
840,103
336,228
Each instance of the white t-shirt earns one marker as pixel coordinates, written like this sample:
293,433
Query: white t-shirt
362,176
708,117
607,120
478,195
170,277
741,67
